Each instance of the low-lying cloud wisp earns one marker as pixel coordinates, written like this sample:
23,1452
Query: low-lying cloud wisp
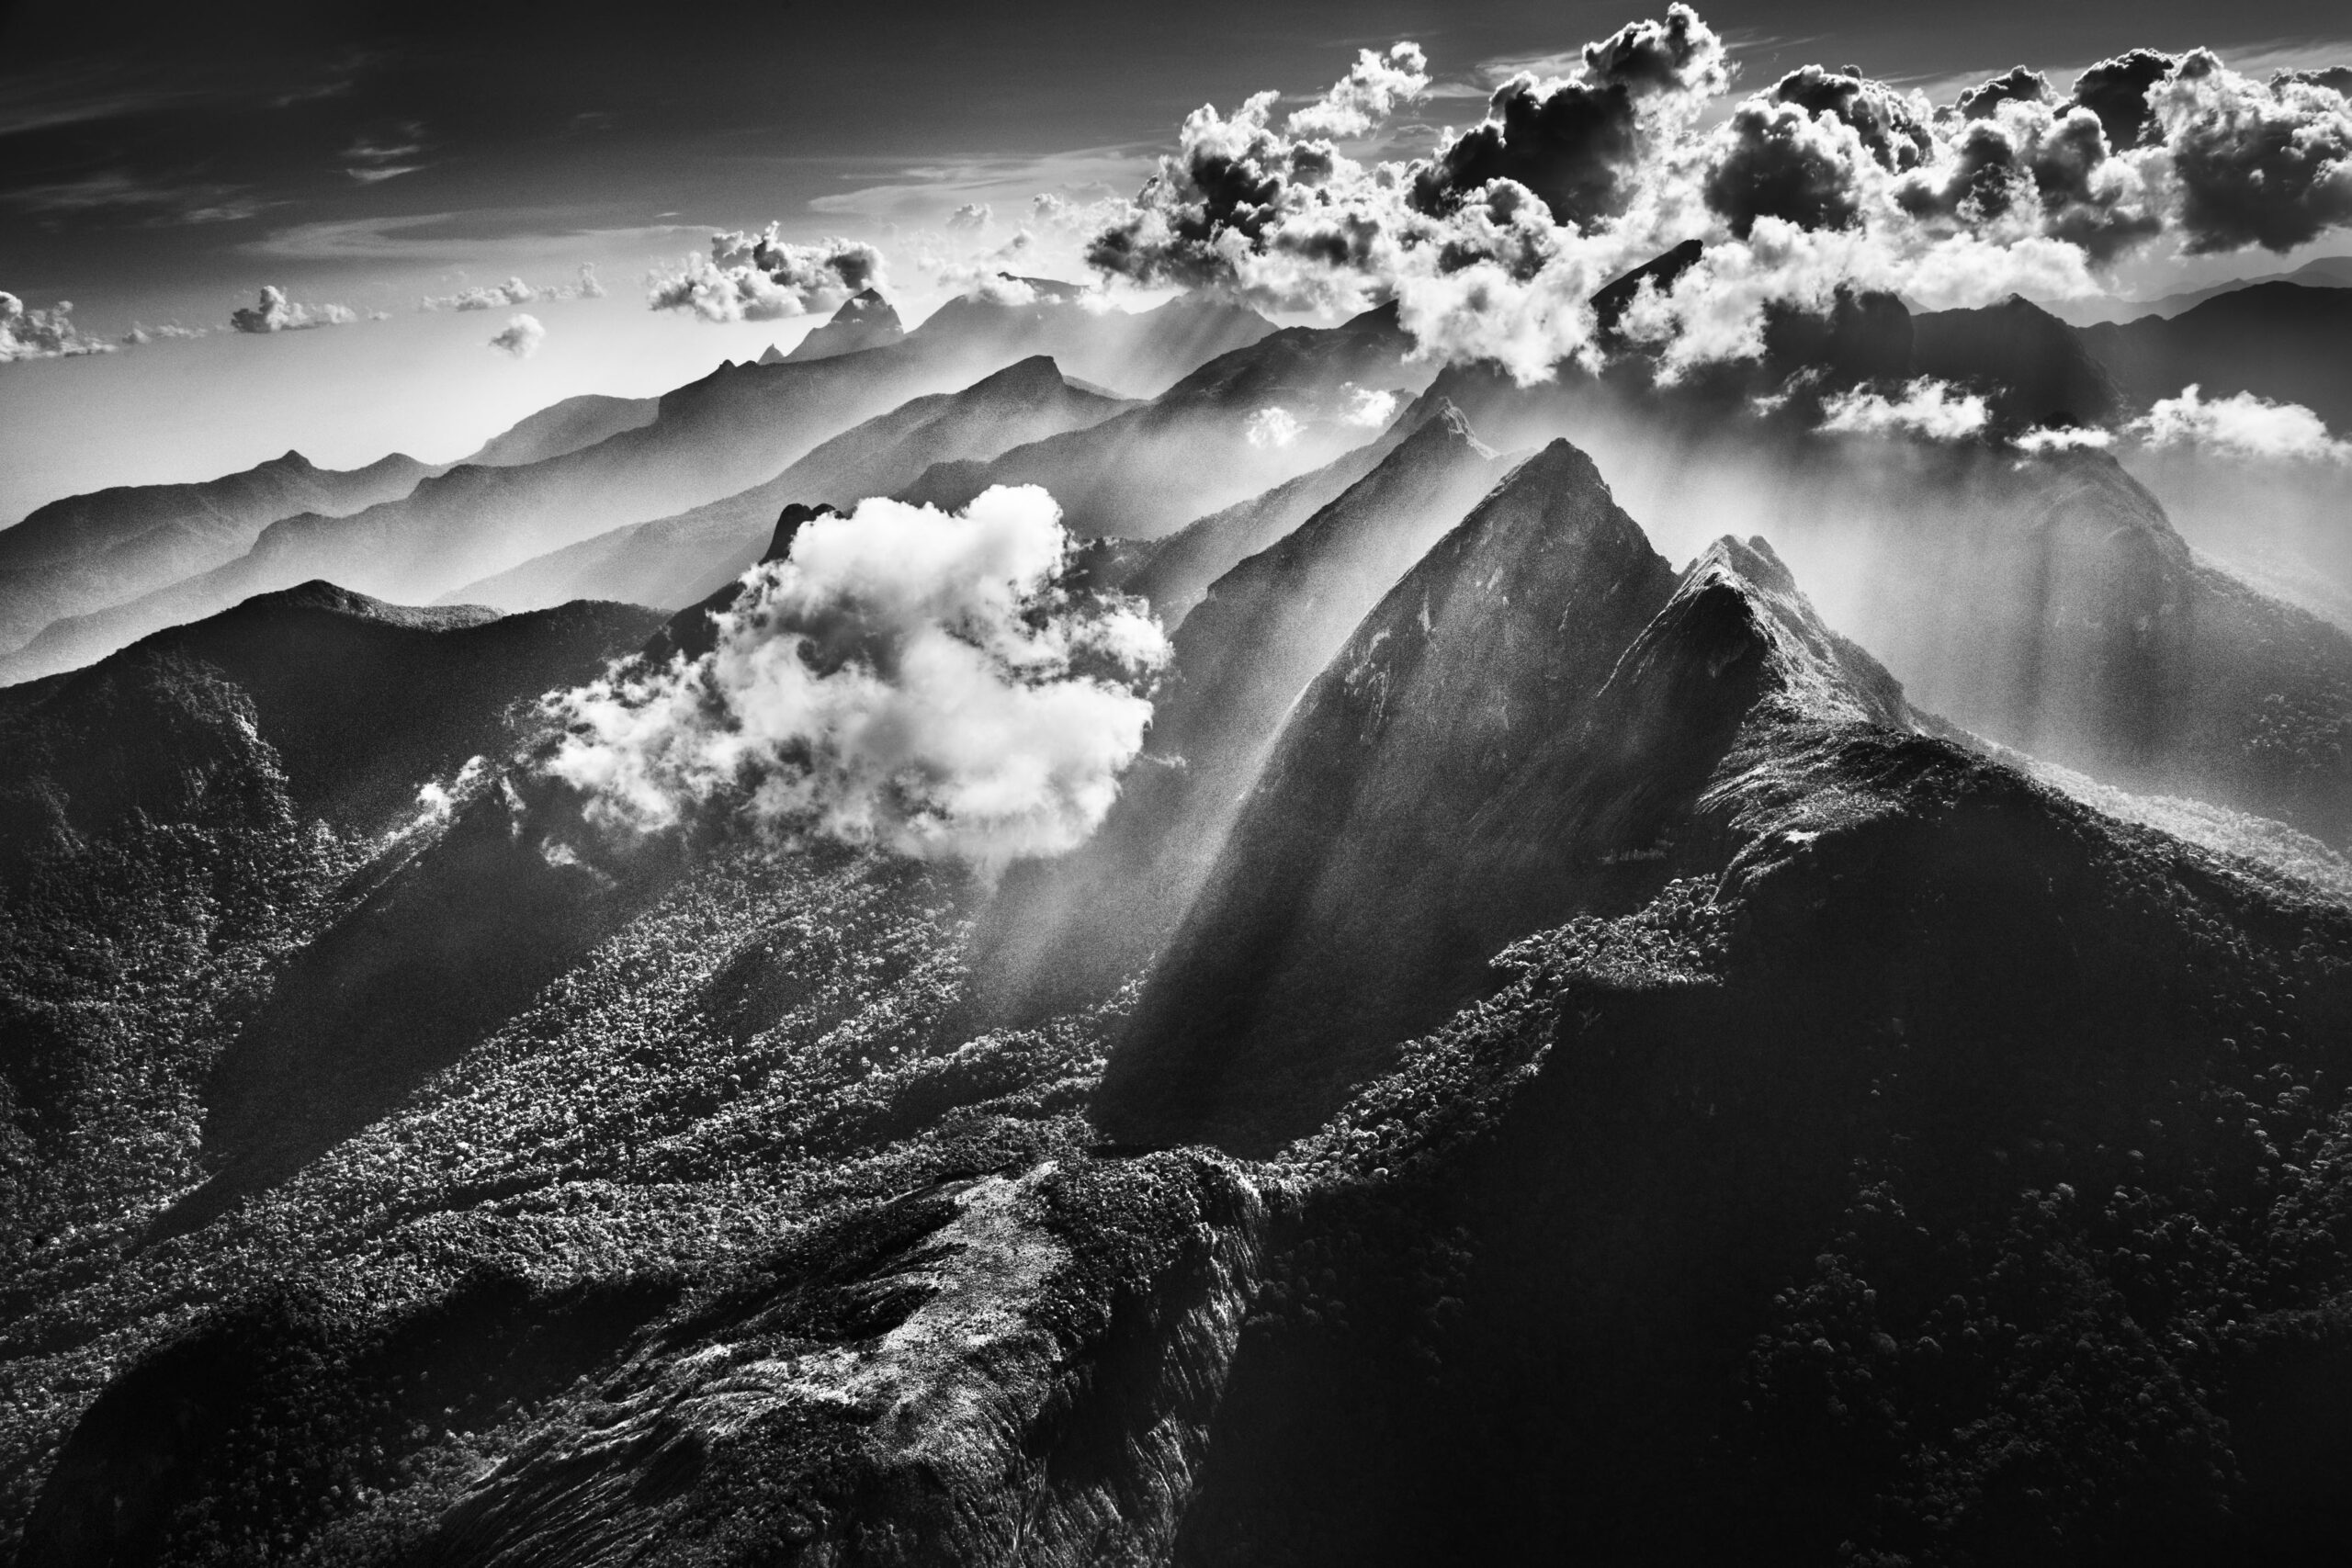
2241,425
1927,408
906,677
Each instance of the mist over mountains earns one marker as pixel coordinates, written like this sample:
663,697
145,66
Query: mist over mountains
1613,904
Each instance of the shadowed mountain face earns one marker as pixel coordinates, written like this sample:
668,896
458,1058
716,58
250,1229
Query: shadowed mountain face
2283,341
184,814
90,550
1518,734
566,426
2032,367
1072,929
678,560
1212,439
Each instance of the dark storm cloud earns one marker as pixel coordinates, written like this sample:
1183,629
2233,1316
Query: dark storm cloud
1777,160
1576,143
2016,85
2117,91
1887,124
2267,164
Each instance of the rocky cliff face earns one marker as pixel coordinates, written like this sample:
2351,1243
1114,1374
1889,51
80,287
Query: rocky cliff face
1519,732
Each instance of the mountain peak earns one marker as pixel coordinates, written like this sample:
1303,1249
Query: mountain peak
1455,424
865,320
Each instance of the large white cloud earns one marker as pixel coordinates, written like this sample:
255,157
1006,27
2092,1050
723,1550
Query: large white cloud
762,277
29,333
906,677
2241,425
522,337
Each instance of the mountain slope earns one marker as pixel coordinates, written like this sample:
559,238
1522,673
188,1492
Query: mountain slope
675,560
565,426
1068,931
1898,1161
88,550
738,426
183,814
1195,446
2282,341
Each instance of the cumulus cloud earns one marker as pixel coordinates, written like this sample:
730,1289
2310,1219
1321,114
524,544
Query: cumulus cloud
1272,427
762,277
522,337
2259,163
514,291
1367,407
1377,85
2242,425
276,313
1928,407
29,333
971,215
905,677
1492,240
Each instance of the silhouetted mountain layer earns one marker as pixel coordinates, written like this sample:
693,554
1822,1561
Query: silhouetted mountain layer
566,426
676,560
1206,443
88,550
2282,341
737,427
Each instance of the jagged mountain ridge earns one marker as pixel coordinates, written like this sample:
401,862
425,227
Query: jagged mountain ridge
1518,734
1071,928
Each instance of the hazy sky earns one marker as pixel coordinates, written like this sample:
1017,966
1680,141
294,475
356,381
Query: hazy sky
158,164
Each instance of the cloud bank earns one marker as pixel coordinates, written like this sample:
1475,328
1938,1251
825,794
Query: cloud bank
1492,240
29,333
906,677
514,291
276,313
522,337
763,278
